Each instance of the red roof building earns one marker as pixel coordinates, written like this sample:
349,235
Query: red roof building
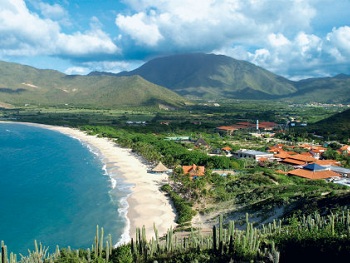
313,175
193,170
314,172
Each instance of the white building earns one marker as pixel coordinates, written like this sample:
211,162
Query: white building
252,154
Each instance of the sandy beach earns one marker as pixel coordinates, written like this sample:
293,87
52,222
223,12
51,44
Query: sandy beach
147,205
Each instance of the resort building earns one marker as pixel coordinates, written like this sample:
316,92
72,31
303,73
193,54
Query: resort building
252,154
299,159
193,171
314,172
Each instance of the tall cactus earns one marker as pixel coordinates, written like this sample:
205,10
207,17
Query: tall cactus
101,243
96,241
214,238
3,253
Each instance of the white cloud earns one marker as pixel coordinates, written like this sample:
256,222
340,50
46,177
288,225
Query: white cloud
54,11
84,44
24,33
339,39
287,37
76,71
141,28
278,40
277,35
210,24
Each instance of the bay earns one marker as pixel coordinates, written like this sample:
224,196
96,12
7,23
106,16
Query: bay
53,189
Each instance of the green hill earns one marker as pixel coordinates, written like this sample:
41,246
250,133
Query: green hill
213,76
337,125
21,84
216,76
327,90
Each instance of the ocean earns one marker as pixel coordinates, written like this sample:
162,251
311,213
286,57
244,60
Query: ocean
54,189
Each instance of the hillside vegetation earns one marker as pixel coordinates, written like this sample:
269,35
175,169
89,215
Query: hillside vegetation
209,75
21,85
216,76
162,81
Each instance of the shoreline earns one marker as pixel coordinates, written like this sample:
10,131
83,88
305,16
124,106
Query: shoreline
145,205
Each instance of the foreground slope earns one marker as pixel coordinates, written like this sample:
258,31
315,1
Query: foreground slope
338,125
21,84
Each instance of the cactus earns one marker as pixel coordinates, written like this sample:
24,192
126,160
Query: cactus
88,255
96,241
107,251
274,255
101,243
3,252
214,238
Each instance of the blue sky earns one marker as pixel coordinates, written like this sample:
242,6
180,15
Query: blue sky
293,38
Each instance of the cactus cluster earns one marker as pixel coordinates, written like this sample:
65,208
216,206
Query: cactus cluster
251,243
40,253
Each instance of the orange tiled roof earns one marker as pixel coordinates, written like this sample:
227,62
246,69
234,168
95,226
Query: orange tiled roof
226,148
327,162
293,161
306,154
267,124
304,158
318,150
227,128
193,170
313,175
282,155
345,148
305,146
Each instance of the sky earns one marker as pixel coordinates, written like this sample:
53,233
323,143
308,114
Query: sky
296,39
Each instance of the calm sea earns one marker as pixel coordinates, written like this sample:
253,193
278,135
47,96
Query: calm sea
55,190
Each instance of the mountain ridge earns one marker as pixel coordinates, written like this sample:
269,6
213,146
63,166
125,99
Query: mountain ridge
210,76
21,84
166,80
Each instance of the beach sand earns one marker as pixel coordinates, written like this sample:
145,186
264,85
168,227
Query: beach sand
147,204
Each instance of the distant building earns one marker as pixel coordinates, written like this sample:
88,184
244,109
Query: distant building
252,154
314,172
229,129
227,149
201,143
299,159
177,138
193,170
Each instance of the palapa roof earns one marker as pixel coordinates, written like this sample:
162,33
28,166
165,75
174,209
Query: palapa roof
160,167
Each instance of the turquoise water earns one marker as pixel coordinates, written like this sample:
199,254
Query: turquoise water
55,190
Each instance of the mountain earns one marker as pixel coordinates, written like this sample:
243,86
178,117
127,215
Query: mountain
21,85
213,76
327,90
210,76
